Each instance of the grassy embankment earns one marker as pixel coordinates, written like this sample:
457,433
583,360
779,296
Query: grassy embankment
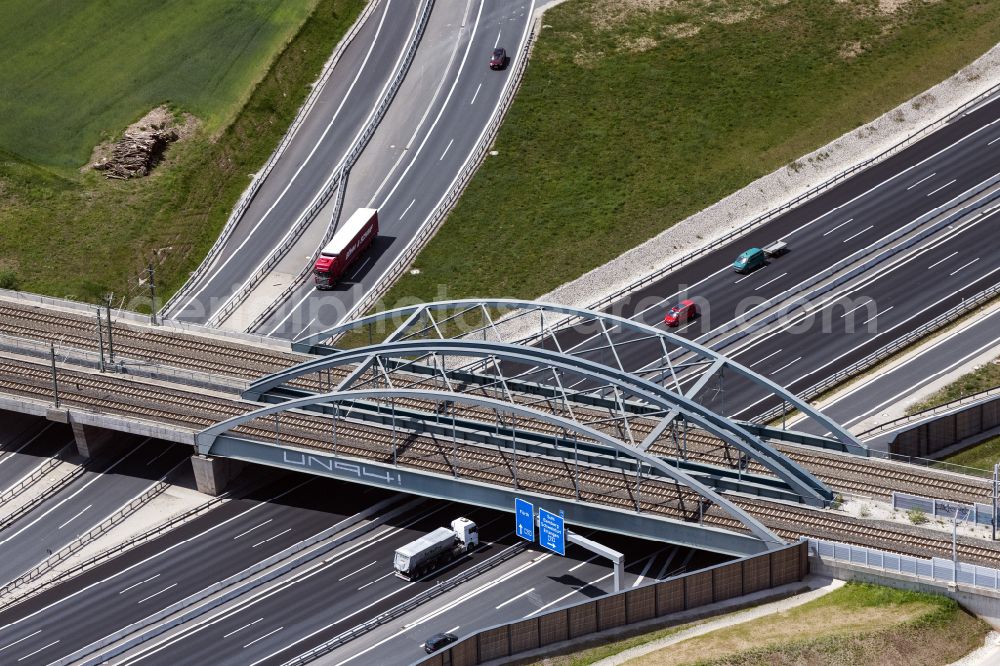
76,74
631,119
856,624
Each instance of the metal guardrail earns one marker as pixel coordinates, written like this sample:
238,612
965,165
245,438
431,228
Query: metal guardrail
34,502
247,197
936,569
336,183
884,352
114,551
87,537
930,411
239,582
800,199
430,227
406,606
36,474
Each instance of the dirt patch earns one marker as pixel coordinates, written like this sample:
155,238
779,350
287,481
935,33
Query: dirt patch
637,45
851,50
142,144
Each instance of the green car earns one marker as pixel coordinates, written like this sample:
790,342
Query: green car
750,260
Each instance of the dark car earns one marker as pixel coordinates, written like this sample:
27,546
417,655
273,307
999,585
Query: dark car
680,313
499,59
438,641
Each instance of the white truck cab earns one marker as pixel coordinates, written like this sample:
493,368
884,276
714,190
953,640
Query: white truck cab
466,532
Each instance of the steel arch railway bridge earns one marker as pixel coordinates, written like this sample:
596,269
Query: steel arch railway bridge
616,423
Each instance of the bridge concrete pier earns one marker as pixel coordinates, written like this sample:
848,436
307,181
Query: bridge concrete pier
91,441
212,475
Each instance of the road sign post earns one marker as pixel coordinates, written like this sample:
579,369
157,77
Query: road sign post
524,514
551,531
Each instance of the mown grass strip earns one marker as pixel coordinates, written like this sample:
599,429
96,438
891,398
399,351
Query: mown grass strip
81,236
631,119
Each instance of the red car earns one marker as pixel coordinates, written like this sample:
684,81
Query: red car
680,313
499,59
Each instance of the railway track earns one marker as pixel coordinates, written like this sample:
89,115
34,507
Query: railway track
499,467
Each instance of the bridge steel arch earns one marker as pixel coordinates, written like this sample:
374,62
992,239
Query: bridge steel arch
801,481
313,344
211,439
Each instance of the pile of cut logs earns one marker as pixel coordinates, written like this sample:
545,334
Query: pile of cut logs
136,153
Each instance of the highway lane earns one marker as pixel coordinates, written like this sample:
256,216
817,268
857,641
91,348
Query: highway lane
154,575
901,381
105,485
27,442
536,583
821,232
323,140
885,305
414,186
332,596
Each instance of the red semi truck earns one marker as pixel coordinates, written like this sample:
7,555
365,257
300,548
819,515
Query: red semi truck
350,241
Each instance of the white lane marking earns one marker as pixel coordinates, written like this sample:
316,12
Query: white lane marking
942,187
645,571
670,558
31,654
921,180
476,94
965,266
877,314
408,208
262,637
372,563
584,562
509,601
770,281
446,149
453,629
138,584
743,278
252,529
568,595
498,39
152,557
157,593
372,582
78,491
319,142
993,141
941,261
850,238
305,330
26,638
837,227
20,448
764,359
377,601
856,308
926,380
235,631
355,274
158,456
75,517
786,365
259,543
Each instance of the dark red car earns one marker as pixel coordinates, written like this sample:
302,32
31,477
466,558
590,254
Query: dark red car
684,311
499,59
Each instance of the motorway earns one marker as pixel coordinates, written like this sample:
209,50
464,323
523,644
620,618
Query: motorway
189,558
105,485
886,301
340,113
25,443
407,187
887,387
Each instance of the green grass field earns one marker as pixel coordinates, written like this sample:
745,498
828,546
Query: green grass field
985,377
855,624
77,235
75,72
632,119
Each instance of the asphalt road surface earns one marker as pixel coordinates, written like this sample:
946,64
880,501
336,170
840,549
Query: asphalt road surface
27,442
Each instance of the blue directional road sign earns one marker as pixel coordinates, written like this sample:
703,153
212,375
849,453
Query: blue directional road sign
551,531
524,513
